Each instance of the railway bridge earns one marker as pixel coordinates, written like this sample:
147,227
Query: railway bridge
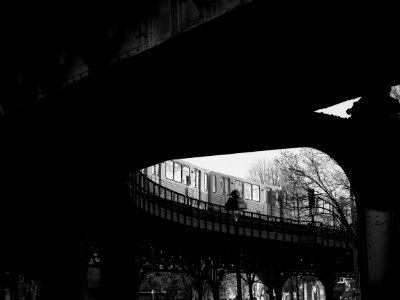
272,247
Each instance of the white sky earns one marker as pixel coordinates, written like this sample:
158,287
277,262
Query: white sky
232,164
239,164
339,109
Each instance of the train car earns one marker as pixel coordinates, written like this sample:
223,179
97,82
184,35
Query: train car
182,177
260,198
214,187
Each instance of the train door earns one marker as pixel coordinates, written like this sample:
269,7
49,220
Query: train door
205,187
186,178
239,186
225,189
263,200
155,173
213,197
196,184
268,201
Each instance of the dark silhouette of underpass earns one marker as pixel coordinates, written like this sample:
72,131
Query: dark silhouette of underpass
90,97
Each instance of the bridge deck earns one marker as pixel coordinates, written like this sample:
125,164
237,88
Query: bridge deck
169,205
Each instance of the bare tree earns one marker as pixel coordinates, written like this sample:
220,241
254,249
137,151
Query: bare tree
297,173
265,172
311,169
183,283
215,273
250,279
195,269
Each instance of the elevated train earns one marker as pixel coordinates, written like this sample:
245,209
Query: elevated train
213,187
178,182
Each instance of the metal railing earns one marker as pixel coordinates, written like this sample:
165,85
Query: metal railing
168,204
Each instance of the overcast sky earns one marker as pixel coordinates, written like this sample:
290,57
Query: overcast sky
239,164
232,164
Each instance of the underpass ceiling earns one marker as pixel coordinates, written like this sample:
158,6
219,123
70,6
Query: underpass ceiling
264,67
299,57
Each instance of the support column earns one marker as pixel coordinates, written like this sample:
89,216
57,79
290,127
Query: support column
117,235
377,213
117,276
309,290
278,282
2,284
328,279
278,293
63,273
238,282
215,277
380,254
274,280
238,262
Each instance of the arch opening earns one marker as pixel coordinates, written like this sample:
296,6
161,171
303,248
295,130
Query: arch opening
303,184
293,194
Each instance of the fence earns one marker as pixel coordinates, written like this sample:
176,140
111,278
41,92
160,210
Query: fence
165,203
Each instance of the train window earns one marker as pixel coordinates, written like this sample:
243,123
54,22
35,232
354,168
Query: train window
155,169
247,190
256,192
225,185
214,183
268,195
185,174
169,169
205,182
272,198
197,179
239,186
177,172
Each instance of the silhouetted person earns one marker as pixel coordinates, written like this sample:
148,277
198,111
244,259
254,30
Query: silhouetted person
232,203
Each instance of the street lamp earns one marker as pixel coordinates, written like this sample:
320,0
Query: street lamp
236,204
311,204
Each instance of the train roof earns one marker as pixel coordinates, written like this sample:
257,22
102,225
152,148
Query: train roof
248,181
190,164
227,175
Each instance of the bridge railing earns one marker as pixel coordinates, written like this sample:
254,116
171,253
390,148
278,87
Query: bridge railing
166,203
